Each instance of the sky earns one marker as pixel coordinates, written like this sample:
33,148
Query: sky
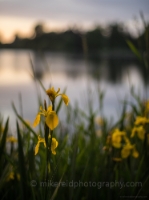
20,16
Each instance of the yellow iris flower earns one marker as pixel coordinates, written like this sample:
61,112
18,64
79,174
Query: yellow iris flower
141,120
140,132
50,115
54,145
129,149
11,176
53,94
117,138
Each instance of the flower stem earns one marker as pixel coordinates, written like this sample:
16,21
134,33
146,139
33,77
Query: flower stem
46,129
51,131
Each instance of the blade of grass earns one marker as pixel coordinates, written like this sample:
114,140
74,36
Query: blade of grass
22,120
32,67
60,102
3,141
134,49
56,190
142,187
22,168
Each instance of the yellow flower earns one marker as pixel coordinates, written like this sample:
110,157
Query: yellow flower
51,117
125,152
42,140
135,153
129,149
12,175
53,94
54,145
11,139
141,120
117,138
127,141
140,132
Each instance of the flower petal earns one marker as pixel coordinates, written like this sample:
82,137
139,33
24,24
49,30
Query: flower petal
49,109
54,145
125,152
37,120
65,99
51,93
135,153
52,120
53,152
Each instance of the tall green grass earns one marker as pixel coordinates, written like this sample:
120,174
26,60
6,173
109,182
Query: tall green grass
82,166
86,165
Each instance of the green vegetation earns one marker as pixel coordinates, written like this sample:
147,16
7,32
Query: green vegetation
73,40
94,159
90,157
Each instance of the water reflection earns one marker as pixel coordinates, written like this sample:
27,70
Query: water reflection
65,70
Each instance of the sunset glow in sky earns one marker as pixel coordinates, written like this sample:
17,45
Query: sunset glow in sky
17,16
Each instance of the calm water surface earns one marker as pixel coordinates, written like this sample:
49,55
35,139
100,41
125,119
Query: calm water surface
80,76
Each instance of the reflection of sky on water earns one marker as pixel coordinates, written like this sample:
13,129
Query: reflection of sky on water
62,70
13,77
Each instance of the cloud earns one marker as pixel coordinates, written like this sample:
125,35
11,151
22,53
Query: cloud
18,15
92,10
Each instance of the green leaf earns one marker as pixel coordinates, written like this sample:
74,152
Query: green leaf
56,190
60,102
3,141
33,76
134,49
22,120
22,168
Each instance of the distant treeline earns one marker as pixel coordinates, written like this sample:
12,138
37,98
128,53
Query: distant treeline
96,40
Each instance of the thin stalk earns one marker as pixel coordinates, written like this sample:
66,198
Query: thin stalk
48,146
46,129
51,131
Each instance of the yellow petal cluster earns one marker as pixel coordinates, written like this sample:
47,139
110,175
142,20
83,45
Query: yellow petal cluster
120,140
117,138
40,140
51,117
53,94
141,120
12,175
129,149
140,131
54,145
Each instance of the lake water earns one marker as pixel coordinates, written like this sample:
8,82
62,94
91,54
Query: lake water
82,77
